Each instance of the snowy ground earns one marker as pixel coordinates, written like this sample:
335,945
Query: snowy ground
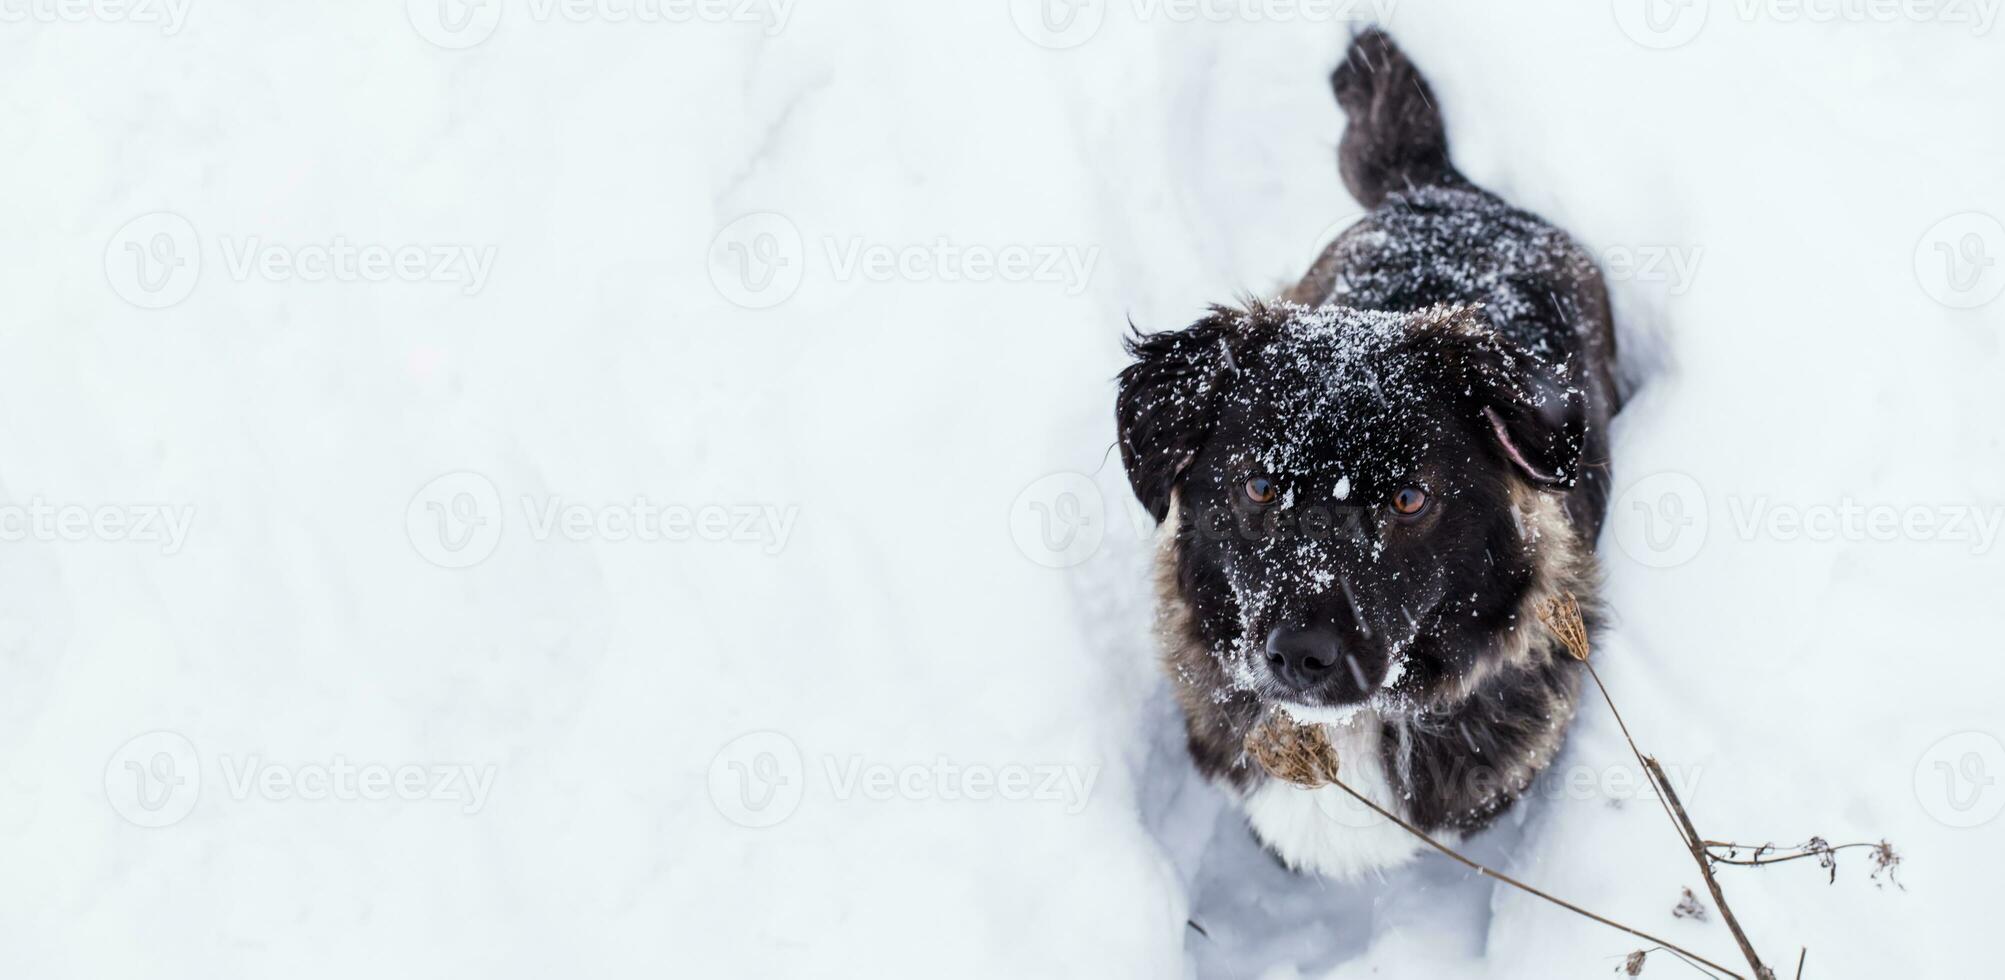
563,495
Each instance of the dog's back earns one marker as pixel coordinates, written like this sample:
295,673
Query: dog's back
1433,238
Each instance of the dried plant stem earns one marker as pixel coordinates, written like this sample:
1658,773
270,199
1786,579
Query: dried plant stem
1692,841
1633,750
1778,859
1800,957
1562,616
1488,872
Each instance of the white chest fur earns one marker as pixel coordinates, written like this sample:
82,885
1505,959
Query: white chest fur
1325,830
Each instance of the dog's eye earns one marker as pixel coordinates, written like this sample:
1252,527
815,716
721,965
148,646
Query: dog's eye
1409,502
1260,490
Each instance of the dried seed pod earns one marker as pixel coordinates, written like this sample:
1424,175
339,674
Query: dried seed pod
1561,615
1300,754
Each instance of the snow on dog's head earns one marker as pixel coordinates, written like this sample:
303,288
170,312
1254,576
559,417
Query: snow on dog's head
1357,493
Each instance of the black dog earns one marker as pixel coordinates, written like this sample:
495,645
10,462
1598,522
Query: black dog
1367,488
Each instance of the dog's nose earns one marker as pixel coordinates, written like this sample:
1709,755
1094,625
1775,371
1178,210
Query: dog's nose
1302,657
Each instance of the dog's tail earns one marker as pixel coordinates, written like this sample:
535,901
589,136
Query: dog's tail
1393,138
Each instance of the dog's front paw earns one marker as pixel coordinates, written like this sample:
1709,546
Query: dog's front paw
1300,754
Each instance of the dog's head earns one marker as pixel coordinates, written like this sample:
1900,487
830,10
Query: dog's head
1349,489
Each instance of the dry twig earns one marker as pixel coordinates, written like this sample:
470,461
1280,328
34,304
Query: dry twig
1562,616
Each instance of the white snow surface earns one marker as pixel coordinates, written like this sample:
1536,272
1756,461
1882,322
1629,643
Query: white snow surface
977,764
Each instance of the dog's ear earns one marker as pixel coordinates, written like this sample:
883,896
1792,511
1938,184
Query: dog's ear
1540,424
1533,411
1167,403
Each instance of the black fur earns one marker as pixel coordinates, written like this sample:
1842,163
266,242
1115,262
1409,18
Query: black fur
1447,343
